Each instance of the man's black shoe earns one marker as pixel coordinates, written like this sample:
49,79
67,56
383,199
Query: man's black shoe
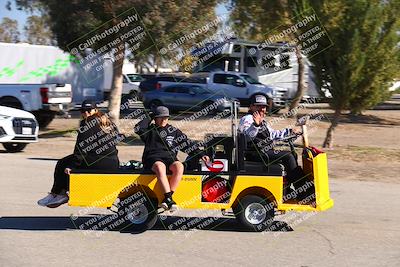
168,204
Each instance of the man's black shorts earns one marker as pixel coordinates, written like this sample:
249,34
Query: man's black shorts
148,163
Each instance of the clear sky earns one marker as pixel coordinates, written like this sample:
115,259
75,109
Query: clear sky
19,15
221,10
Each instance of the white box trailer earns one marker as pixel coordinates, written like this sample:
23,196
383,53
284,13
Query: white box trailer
244,56
45,80
39,64
27,70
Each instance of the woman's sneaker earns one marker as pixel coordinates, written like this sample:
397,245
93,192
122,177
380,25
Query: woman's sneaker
57,201
44,201
168,204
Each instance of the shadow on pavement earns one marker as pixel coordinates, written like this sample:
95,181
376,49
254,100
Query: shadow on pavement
355,119
37,223
46,159
170,223
6,152
57,133
217,224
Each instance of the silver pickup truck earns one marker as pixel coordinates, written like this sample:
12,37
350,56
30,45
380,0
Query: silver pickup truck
236,85
43,100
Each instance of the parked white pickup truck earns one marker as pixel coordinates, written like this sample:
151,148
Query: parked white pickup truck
17,129
130,84
43,100
237,85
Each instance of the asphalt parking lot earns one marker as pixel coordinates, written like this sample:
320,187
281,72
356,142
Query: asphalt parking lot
361,229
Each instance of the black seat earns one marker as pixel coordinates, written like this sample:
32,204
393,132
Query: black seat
114,171
216,147
250,161
219,147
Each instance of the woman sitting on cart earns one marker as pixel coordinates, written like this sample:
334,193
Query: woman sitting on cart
162,143
95,148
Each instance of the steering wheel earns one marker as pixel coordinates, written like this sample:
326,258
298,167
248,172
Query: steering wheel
290,140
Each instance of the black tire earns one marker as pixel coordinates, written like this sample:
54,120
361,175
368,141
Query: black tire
11,102
254,213
106,96
14,147
154,103
138,212
44,118
211,112
134,95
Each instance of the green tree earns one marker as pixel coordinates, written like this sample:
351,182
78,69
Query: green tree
364,59
9,32
257,19
168,20
162,20
37,31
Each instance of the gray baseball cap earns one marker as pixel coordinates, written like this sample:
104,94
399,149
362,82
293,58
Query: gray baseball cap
161,111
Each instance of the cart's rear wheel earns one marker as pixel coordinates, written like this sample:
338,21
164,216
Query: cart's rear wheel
138,211
255,213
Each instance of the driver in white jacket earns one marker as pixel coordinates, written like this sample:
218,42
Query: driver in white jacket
260,136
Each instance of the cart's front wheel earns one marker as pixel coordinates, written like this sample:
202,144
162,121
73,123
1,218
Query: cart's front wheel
138,212
255,213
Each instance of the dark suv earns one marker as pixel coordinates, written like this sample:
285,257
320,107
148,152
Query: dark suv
153,83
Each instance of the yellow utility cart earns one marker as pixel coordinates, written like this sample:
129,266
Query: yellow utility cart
254,191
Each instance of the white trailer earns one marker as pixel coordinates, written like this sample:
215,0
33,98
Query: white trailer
40,79
280,70
40,64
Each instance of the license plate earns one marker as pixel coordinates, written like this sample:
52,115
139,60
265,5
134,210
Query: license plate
26,131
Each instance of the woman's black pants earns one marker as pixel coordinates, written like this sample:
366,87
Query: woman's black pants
61,179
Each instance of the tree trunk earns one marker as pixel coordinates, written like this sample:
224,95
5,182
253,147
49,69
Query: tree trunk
114,105
329,134
157,61
355,112
300,82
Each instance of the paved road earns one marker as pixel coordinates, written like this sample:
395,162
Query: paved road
361,230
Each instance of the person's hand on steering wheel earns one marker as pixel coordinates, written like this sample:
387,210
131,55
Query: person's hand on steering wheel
296,131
